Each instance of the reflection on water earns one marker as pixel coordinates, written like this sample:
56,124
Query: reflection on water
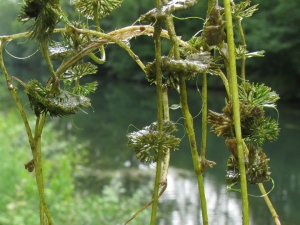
116,106
182,198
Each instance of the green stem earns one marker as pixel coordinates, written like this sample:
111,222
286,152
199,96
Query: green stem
145,206
37,157
109,38
45,52
101,48
204,116
243,41
193,146
13,91
164,174
236,111
157,43
35,144
54,80
269,204
225,82
188,122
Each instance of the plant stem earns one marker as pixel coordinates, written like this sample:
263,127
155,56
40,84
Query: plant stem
13,91
204,116
37,157
157,43
145,206
243,41
236,111
193,146
188,122
35,144
269,204
225,82
164,174
101,48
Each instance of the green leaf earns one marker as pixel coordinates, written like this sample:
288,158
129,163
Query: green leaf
188,67
145,142
47,14
62,104
264,129
258,95
103,7
81,70
74,39
241,10
197,42
85,89
257,169
241,51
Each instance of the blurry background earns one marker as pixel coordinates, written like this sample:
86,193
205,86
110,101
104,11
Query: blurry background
93,178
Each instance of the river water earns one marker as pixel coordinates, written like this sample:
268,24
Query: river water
119,108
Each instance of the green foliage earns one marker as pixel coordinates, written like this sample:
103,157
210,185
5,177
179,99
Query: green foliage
243,10
80,70
256,129
188,67
213,32
73,39
85,89
102,7
63,104
263,129
258,95
75,73
47,14
257,169
183,62
18,195
145,142
242,51
255,126
269,29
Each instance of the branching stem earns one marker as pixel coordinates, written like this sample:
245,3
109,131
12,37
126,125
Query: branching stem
188,121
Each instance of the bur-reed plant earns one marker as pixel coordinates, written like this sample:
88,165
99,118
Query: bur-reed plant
212,51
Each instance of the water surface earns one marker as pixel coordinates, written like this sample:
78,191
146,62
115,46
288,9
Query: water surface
119,108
